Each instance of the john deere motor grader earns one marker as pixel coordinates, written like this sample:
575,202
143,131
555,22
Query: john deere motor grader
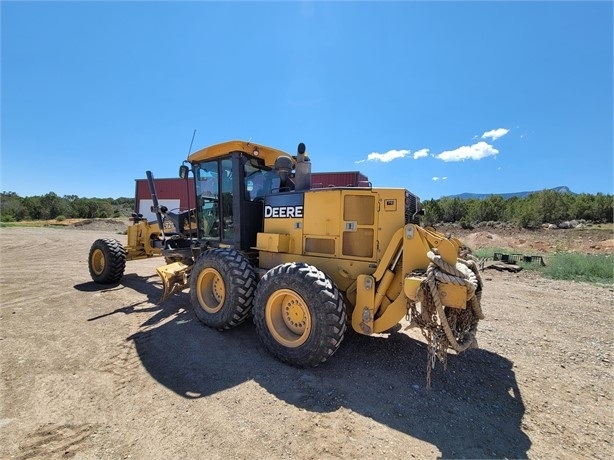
306,263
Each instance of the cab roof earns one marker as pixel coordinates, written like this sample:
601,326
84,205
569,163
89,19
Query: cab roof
268,154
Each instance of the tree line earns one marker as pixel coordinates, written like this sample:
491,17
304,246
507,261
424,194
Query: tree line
14,208
532,211
547,206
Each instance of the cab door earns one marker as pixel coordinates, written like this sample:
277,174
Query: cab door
214,190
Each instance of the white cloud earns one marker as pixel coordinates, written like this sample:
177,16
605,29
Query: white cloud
476,151
468,152
495,134
388,156
421,153
435,178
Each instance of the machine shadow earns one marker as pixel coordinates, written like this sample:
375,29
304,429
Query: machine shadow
132,281
474,408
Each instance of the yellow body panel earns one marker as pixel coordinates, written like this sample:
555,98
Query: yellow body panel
273,242
322,213
349,224
452,295
344,273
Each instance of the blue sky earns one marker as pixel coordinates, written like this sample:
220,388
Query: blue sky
440,98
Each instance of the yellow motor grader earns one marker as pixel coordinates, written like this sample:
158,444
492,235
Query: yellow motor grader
305,262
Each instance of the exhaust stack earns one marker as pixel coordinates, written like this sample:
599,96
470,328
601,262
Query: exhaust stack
302,176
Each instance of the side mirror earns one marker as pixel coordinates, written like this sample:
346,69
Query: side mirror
183,171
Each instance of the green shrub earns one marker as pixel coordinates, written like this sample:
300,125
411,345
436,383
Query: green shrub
60,218
564,266
580,267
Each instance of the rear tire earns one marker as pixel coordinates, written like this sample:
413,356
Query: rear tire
300,314
222,285
107,261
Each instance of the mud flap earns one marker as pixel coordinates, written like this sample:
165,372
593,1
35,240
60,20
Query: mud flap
175,278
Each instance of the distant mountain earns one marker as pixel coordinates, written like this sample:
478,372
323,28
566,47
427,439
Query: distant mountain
505,196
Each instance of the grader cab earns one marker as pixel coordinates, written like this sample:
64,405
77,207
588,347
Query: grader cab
305,263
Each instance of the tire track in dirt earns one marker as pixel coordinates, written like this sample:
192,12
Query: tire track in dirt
50,439
125,363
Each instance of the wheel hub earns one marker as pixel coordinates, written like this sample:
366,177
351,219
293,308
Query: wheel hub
294,315
288,318
98,261
211,290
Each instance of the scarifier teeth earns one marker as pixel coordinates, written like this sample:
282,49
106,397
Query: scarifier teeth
167,287
173,279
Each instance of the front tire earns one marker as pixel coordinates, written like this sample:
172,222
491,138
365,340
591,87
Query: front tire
222,285
299,314
107,261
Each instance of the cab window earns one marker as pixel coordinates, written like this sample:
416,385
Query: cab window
259,180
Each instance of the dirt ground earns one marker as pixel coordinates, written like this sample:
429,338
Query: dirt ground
105,372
